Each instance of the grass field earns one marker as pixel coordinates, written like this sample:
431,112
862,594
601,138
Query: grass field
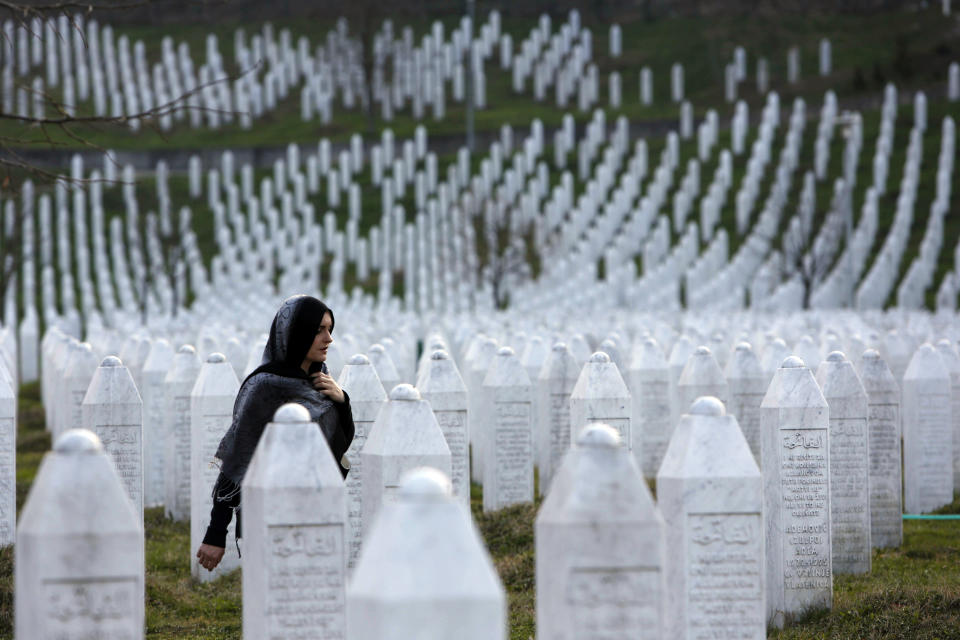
913,592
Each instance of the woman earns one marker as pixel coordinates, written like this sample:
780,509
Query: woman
292,370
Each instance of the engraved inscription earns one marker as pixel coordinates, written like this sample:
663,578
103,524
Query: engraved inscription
746,407
305,582
559,427
8,492
849,494
87,609
613,603
513,444
453,424
885,503
213,428
123,444
654,415
804,490
354,487
934,477
181,448
724,589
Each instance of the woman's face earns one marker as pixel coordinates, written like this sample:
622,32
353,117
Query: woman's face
323,339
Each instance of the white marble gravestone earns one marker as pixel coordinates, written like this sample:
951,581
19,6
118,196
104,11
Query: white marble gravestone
152,392
555,383
649,378
80,549
927,433
435,581
795,449
700,377
8,459
211,413
507,438
600,546
295,533
405,436
746,385
112,409
849,464
76,380
384,366
710,494
177,386
601,395
952,361
883,423
367,397
440,384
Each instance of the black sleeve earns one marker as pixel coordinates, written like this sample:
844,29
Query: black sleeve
226,498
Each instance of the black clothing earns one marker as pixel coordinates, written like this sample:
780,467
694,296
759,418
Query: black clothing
277,381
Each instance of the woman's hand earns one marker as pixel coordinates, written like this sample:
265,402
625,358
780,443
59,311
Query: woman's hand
326,385
210,556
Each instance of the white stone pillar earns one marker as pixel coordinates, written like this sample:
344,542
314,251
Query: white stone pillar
440,384
601,396
112,409
8,458
701,376
554,385
952,362
710,493
367,398
883,423
177,385
154,443
64,590
294,533
418,584
405,436
507,438
849,464
927,433
211,413
795,447
747,386
600,546
649,378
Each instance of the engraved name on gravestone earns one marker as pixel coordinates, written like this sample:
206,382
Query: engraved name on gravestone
883,423
440,384
112,409
77,495
927,433
367,397
795,448
600,546
849,464
649,379
554,384
710,493
747,386
295,520
508,439
154,372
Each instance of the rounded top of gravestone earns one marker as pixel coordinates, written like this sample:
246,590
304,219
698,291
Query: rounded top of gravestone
943,342
86,347
707,406
78,441
291,413
702,350
559,346
358,358
926,348
187,348
599,435
406,392
608,343
744,346
505,351
871,354
376,348
439,354
216,358
111,361
425,484
836,356
792,362
600,357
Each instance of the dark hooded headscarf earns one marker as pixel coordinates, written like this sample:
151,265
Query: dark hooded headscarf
278,380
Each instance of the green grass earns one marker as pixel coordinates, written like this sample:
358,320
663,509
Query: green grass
912,592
